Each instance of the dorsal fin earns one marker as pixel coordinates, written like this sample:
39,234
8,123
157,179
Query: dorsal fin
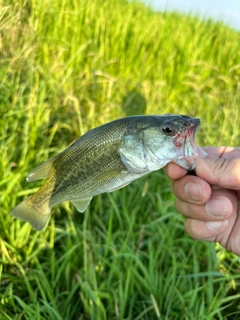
41,171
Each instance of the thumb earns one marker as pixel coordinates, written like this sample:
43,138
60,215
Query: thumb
222,172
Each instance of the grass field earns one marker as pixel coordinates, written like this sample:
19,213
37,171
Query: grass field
65,67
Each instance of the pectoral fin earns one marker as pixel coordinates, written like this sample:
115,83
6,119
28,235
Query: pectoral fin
122,186
108,174
81,204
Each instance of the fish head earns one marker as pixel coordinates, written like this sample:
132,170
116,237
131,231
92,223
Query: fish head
185,142
173,138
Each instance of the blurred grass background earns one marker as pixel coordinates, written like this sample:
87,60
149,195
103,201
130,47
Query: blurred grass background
65,67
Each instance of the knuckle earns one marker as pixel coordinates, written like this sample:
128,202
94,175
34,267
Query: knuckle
229,168
190,227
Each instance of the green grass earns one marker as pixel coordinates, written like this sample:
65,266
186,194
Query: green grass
65,67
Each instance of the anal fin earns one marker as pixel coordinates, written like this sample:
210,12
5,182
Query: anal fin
81,204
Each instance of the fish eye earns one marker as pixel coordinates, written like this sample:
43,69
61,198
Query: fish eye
168,129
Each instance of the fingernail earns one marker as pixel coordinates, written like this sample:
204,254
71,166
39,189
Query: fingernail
216,207
193,191
216,225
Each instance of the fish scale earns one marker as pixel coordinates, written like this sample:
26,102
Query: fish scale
108,158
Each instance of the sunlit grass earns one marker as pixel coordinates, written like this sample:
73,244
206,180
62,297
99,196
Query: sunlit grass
67,66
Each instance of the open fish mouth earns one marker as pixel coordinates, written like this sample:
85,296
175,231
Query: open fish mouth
185,143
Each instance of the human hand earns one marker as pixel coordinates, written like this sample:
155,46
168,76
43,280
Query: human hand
211,199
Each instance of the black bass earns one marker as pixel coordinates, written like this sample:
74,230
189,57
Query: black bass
108,158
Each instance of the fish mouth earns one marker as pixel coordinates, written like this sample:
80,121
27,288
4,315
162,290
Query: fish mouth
185,142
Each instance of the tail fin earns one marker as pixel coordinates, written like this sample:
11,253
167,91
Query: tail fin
35,216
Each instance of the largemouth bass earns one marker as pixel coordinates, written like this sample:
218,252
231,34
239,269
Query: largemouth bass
108,158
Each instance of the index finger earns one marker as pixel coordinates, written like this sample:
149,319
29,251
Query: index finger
173,171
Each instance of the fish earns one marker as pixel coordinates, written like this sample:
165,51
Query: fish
108,158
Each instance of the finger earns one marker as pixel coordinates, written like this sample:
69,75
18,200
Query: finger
202,230
221,152
232,238
173,171
219,171
191,189
217,208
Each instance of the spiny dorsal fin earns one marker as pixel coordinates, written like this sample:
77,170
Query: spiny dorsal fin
41,171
